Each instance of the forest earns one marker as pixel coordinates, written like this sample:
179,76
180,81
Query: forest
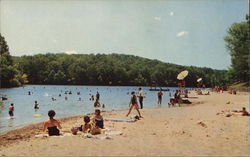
112,69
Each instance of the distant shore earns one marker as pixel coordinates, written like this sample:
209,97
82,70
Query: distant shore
195,130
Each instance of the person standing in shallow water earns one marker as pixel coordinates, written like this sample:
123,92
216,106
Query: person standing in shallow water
141,97
11,110
160,96
133,103
36,105
97,96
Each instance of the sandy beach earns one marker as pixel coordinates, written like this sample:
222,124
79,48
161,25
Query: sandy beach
199,129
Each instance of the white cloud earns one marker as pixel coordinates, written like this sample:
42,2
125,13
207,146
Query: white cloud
157,18
182,33
171,13
71,52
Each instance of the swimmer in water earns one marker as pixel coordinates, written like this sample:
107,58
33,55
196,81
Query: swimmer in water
36,105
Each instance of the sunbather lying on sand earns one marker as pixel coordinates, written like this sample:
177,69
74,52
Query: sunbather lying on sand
235,112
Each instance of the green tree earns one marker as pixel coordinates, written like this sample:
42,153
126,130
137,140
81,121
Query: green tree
10,75
238,40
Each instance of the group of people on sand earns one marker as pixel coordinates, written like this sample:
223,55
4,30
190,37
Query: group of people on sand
176,100
91,125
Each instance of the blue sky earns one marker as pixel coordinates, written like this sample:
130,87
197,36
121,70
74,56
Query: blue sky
185,32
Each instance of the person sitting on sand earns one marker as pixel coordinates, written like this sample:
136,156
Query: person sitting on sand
133,103
171,102
98,120
244,112
88,128
52,125
177,96
186,93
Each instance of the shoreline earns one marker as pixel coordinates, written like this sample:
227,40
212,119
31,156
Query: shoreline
74,116
195,128
34,129
101,86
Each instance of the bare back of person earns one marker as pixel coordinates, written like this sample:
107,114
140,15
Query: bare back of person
52,125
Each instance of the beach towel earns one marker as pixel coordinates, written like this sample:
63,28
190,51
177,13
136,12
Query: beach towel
109,133
46,135
97,137
120,120
41,135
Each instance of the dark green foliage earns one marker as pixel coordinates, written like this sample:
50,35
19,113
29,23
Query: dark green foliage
113,69
9,75
238,40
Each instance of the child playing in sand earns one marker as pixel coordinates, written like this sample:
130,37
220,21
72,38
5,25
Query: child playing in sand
52,125
133,103
88,128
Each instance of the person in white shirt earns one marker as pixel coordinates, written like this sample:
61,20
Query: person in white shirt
141,97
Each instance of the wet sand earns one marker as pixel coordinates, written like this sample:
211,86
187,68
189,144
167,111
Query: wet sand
195,130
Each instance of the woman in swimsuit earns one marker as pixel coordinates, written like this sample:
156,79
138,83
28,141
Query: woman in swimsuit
88,128
52,125
98,120
134,103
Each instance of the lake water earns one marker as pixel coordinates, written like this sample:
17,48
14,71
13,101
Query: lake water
114,98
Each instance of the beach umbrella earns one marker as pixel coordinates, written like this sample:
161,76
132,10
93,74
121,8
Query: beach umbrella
199,79
182,75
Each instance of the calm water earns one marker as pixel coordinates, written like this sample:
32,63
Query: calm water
115,98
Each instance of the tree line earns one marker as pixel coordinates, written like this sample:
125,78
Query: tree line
112,69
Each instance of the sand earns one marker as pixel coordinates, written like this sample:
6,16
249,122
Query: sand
194,130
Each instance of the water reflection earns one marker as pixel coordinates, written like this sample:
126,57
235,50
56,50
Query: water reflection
11,122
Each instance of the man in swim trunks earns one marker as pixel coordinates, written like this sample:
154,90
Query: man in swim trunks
160,96
141,97
97,96
11,110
